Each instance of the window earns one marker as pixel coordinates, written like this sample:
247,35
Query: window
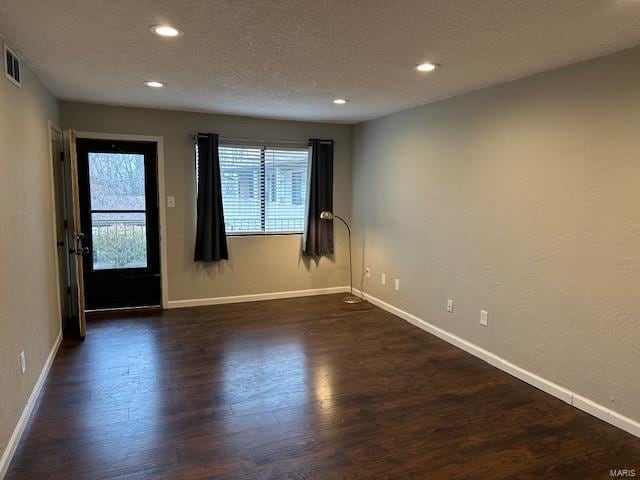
264,189
296,188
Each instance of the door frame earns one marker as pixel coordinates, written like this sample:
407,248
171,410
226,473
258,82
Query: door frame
162,204
54,214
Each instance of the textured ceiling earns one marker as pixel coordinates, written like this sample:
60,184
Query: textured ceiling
290,58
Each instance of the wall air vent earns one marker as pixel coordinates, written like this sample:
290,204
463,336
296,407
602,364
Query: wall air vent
12,66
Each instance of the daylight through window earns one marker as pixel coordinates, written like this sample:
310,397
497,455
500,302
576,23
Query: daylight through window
264,189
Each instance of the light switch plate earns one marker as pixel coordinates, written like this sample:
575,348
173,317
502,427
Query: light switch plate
484,321
171,202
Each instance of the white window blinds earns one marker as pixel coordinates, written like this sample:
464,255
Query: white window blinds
264,189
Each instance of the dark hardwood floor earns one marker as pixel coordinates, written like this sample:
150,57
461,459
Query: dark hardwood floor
297,389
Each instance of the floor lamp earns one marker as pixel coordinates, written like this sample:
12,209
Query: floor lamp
351,298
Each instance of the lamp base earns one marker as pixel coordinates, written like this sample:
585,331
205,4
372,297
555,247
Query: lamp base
351,299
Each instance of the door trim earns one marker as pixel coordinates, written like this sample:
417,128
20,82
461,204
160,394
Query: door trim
54,214
162,203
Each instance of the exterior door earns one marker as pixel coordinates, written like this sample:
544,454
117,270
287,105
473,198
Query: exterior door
119,214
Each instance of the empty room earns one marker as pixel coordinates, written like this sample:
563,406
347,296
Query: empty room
319,239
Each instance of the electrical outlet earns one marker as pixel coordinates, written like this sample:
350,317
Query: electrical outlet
397,284
383,279
367,272
23,363
484,321
450,306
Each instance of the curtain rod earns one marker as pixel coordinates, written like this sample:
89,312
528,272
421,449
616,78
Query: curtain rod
253,140
258,140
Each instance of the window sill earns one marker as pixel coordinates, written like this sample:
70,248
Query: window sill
258,234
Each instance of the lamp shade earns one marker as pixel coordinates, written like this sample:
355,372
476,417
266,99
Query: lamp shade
326,215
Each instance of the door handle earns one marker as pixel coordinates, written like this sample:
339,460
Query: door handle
60,243
79,250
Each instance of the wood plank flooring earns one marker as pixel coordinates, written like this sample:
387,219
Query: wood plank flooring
298,389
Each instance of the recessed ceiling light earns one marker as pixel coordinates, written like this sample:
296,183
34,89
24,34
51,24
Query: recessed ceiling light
427,67
166,31
340,101
154,84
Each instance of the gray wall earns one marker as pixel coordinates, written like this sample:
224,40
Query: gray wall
258,264
524,200
29,317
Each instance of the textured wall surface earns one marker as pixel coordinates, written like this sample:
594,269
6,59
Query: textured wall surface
29,319
524,200
257,264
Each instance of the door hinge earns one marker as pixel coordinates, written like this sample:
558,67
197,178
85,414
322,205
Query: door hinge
62,156
65,224
68,290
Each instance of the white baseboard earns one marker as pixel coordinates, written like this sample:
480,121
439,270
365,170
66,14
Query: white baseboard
256,297
7,455
599,411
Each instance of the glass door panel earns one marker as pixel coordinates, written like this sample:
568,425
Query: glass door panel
118,210
119,240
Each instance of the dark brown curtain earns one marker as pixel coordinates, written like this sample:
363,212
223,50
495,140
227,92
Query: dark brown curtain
318,237
211,238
